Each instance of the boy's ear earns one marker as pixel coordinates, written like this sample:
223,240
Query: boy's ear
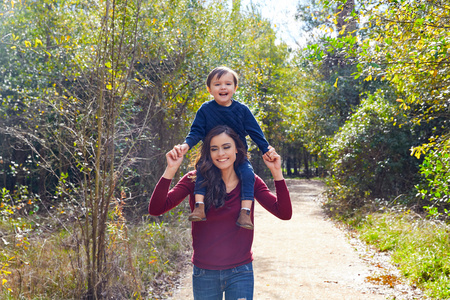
236,88
209,90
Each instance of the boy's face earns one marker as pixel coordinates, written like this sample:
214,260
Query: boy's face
222,89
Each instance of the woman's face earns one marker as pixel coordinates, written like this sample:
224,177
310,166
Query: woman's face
223,151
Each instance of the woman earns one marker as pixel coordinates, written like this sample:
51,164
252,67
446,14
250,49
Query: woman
222,255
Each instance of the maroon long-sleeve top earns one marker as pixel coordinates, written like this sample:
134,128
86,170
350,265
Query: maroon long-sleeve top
218,242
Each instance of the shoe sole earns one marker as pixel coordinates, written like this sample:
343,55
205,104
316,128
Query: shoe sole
249,227
196,219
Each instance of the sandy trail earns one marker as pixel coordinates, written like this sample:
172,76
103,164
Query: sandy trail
307,257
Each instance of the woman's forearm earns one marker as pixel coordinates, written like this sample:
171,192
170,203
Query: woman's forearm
278,204
170,172
283,201
277,174
157,204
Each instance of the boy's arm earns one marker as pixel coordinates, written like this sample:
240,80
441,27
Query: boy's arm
255,132
198,129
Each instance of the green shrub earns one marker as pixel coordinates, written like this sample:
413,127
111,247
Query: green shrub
370,157
435,171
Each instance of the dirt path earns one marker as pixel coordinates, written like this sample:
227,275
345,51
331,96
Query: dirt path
307,257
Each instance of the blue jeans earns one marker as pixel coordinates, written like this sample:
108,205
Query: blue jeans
236,283
246,175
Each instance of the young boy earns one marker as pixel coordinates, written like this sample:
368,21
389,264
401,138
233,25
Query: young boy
222,83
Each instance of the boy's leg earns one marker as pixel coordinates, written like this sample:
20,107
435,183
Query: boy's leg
247,177
198,214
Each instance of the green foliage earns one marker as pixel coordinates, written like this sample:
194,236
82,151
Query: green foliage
419,249
407,44
369,156
331,91
410,40
435,171
400,44
312,16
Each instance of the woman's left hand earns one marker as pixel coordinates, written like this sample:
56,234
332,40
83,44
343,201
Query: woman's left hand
268,154
274,163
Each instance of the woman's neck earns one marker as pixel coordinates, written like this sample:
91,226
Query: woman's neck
230,179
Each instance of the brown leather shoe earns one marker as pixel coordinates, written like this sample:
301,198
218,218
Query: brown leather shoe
244,220
198,214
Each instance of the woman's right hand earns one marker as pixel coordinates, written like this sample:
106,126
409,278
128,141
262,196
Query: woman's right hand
174,161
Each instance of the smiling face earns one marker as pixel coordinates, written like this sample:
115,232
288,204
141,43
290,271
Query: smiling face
223,89
223,151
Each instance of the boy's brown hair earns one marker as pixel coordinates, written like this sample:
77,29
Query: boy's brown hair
220,71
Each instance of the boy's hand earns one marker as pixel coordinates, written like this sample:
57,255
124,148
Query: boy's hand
182,149
269,155
173,159
273,163
173,163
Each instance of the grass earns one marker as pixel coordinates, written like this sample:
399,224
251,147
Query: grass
37,264
47,262
419,247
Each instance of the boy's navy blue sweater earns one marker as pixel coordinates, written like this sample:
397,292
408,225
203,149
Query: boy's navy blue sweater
237,116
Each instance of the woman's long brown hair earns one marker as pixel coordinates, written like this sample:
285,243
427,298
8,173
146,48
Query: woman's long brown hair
215,187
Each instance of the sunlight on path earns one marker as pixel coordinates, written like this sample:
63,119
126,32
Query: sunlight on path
306,257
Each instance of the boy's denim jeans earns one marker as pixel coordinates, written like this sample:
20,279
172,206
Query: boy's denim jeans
237,283
246,175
